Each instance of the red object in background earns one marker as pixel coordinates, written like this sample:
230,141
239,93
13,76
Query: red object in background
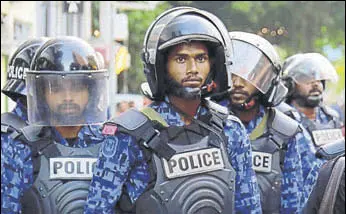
343,131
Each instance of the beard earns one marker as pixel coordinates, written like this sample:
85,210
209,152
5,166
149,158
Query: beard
174,88
249,103
310,101
65,118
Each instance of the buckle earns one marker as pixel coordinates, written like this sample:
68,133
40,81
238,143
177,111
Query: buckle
157,133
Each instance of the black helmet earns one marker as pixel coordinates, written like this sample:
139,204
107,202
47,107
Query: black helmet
67,65
18,64
178,25
257,61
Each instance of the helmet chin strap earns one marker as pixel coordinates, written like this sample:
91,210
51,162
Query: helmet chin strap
249,103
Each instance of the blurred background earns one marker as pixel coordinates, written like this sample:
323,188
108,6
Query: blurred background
116,29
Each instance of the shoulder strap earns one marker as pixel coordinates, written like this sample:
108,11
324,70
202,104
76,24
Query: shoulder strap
12,123
331,150
139,125
154,116
260,129
330,111
282,123
329,196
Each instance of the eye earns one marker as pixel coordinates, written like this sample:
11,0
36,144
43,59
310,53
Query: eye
201,58
180,59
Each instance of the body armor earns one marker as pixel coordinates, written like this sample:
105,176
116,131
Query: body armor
328,139
61,174
269,143
189,167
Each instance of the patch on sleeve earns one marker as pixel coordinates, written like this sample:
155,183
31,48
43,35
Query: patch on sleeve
109,129
109,146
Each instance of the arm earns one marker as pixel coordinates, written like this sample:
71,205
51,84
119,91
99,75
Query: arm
247,196
292,186
16,173
116,167
310,164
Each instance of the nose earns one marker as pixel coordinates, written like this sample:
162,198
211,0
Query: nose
67,93
237,81
192,67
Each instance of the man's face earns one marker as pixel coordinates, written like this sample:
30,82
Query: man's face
188,65
241,90
313,88
310,94
67,100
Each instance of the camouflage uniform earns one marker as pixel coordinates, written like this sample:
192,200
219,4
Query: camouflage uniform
300,167
121,166
17,166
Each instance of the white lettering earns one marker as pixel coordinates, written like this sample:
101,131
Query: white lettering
322,137
193,163
71,168
261,161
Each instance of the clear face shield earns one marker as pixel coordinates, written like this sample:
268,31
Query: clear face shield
67,98
252,65
311,67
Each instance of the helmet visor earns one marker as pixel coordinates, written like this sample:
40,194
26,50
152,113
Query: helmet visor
252,65
311,67
67,100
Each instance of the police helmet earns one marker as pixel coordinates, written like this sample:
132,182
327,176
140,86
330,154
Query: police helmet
67,68
257,61
178,25
303,68
18,64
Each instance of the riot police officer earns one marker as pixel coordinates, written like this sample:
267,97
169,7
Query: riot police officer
15,88
182,154
48,164
275,138
305,75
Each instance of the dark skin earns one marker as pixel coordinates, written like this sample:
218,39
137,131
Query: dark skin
311,88
240,92
71,99
188,64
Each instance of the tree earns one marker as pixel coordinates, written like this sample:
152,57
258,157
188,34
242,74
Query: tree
292,26
139,22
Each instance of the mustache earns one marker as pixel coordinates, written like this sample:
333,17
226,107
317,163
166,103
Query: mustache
68,106
192,78
315,90
238,91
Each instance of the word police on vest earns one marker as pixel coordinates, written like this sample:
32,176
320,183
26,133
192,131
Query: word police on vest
71,168
326,136
194,162
261,161
17,72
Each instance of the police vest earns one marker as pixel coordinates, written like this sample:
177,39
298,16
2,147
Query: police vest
61,174
189,166
269,142
328,139
11,124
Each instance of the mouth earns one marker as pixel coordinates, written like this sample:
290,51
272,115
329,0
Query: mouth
192,82
315,93
69,108
239,95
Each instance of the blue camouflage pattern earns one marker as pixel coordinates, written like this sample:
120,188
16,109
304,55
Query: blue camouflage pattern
300,169
321,117
21,110
121,164
17,166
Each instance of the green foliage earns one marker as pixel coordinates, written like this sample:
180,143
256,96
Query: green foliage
304,26
139,21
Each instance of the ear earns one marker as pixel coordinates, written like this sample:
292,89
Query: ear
290,85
